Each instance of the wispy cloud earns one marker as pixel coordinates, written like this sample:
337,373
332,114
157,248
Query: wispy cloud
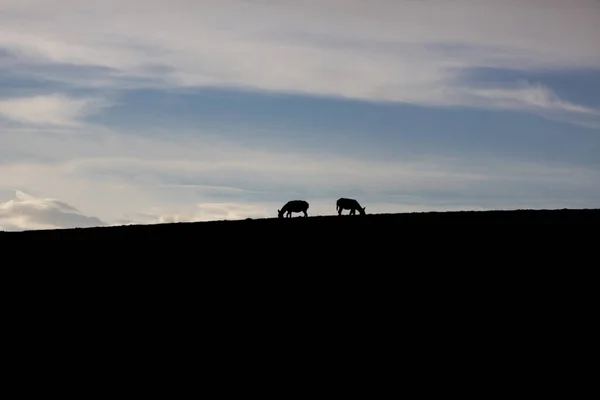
530,96
407,51
534,98
119,177
50,110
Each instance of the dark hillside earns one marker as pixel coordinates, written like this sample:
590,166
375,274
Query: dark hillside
381,265
367,227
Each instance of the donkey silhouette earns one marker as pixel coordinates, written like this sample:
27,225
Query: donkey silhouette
293,206
349,204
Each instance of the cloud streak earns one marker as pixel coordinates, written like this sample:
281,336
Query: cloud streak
50,110
120,177
404,51
531,96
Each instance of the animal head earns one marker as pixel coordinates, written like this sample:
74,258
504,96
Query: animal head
361,210
280,213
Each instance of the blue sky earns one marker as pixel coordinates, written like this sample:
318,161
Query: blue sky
157,111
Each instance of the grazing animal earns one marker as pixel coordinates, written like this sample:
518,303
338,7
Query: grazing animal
349,204
293,206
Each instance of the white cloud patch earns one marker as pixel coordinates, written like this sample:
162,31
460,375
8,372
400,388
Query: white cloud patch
56,109
27,212
407,51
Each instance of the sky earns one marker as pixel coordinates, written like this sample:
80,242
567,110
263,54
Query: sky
154,111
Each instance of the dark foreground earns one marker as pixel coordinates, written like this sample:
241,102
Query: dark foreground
367,228
445,277
373,255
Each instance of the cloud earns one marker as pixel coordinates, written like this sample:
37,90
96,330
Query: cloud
124,178
404,51
209,211
419,52
56,109
26,212
528,95
534,98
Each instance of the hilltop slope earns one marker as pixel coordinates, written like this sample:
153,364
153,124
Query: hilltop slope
417,257
373,225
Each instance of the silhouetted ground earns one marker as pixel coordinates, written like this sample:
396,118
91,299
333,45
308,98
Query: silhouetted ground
411,262
443,278
368,227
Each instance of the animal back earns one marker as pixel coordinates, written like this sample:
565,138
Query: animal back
347,203
296,205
